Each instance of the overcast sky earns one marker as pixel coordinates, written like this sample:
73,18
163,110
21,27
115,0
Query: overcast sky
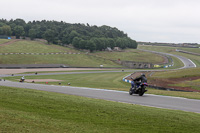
175,21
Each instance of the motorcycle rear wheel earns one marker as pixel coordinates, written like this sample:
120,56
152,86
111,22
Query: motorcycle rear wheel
130,91
141,93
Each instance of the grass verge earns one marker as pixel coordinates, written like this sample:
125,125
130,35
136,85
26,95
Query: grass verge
4,41
23,110
24,46
73,60
130,55
182,73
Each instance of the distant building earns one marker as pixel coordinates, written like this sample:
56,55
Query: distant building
117,49
114,49
109,49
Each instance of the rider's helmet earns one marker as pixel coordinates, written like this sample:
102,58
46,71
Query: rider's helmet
142,74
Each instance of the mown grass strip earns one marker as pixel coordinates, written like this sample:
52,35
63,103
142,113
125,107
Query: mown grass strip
24,110
191,72
2,41
131,55
24,46
72,60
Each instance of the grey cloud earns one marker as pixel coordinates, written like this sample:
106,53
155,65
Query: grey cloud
143,20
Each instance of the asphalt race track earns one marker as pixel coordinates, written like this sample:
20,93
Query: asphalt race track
187,62
118,96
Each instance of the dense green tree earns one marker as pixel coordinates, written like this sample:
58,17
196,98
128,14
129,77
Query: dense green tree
20,22
19,31
119,42
83,44
65,39
1,31
49,36
91,45
111,43
32,34
27,28
98,43
7,30
2,24
76,41
133,44
56,40
72,35
64,33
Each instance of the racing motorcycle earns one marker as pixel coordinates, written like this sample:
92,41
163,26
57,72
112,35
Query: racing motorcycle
21,80
140,90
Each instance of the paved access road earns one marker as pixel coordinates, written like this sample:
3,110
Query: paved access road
118,96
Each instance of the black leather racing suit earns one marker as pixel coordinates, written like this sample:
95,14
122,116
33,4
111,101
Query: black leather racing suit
142,78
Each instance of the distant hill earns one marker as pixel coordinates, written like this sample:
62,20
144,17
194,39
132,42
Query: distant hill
19,51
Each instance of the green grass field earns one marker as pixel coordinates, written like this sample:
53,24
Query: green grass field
23,110
192,72
4,41
75,60
24,46
131,55
194,50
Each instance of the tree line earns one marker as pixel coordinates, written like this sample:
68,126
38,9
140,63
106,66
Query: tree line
81,36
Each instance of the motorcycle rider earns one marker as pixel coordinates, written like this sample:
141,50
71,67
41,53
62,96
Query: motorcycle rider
138,81
22,79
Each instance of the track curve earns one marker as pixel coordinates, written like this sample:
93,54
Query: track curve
187,62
